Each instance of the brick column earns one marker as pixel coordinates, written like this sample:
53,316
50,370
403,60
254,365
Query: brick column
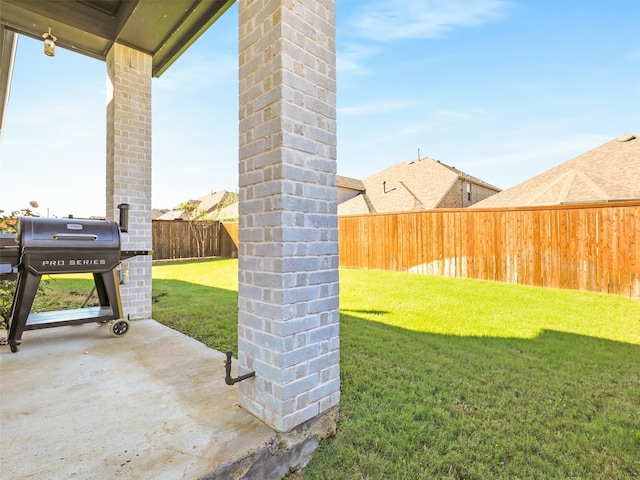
288,256
129,166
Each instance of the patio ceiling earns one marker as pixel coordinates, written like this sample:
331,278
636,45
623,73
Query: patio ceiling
162,28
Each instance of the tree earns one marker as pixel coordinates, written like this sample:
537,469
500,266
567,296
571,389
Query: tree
199,223
9,223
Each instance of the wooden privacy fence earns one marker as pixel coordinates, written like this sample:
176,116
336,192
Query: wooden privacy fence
594,248
173,239
228,240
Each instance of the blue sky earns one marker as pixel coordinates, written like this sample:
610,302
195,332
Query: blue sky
501,89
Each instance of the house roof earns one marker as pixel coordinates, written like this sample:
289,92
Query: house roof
357,205
173,215
206,203
350,183
414,185
209,202
226,213
156,213
608,172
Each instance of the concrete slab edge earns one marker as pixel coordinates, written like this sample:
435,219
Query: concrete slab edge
284,454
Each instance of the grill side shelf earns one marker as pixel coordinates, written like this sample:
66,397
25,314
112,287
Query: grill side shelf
9,257
68,317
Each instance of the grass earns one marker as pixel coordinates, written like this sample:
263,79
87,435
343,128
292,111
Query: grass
455,379
70,291
199,299
446,378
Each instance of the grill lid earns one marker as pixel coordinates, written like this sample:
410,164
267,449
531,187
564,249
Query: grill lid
68,233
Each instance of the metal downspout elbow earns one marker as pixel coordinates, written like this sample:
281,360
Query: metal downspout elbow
231,381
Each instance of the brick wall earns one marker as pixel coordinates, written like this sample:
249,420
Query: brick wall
457,196
129,166
288,254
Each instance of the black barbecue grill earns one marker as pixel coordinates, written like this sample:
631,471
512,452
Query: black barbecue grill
9,257
49,246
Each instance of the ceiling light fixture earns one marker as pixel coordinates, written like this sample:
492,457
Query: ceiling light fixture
49,44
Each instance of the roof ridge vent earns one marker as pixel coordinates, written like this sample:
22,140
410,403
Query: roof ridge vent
626,137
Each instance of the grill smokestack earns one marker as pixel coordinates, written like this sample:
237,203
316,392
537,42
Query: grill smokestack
124,217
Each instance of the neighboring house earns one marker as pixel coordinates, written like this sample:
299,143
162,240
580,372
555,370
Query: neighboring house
174,214
417,185
226,214
156,213
209,203
348,188
609,172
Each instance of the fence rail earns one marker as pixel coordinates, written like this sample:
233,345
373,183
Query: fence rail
594,248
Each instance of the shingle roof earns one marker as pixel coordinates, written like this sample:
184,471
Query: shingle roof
355,206
470,178
228,212
209,202
206,203
351,183
173,215
417,184
608,172
156,213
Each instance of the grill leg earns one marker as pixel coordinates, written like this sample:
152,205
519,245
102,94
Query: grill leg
103,298
23,297
108,290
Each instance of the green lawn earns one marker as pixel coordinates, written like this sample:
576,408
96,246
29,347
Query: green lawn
450,378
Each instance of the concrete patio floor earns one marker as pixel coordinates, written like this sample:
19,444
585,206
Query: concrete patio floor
77,403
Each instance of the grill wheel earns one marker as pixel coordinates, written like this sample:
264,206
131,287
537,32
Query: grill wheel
119,327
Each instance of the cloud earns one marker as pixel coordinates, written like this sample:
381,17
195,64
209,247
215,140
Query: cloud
417,105
403,129
420,19
446,115
382,106
351,57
